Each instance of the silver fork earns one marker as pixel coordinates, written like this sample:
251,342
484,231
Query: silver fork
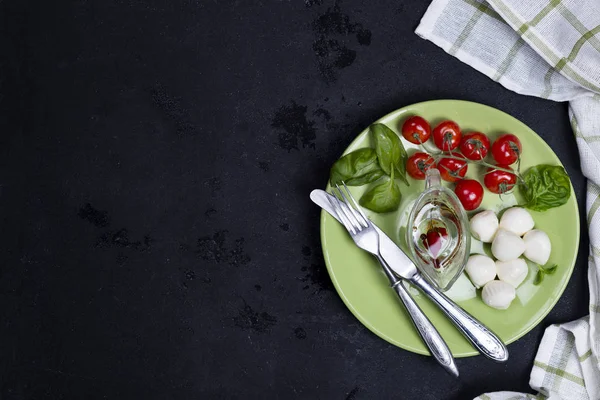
366,237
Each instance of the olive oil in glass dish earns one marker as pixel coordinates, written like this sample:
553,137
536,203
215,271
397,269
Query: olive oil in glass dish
438,233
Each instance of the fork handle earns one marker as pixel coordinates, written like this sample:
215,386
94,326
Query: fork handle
436,345
432,338
478,334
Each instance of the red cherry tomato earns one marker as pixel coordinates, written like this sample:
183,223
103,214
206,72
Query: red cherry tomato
416,130
452,170
506,149
434,240
470,193
446,135
498,181
418,164
474,145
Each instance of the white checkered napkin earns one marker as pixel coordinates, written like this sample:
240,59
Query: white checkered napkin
566,33
550,49
475,33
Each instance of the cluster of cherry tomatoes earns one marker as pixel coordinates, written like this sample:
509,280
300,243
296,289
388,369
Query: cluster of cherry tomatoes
458,150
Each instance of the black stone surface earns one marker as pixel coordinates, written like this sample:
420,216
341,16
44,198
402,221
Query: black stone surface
157,238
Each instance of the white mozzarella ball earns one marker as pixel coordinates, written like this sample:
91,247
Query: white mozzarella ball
517,220
537,246
498,294
507,245
481,269
484,226
513,272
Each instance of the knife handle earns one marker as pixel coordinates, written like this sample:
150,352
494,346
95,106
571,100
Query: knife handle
436,345
478,334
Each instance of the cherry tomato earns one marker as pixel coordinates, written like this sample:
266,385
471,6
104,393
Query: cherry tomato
475,145
470,193
434,240
452,170
446,135
418,164
506,149
498,181
416,130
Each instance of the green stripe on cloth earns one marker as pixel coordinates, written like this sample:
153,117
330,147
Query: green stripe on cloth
561,64
595,308
559,373
589,139
577,24
557,351
575,127
567,348
587,37
593,209
595,251
485,9
547,86
522,29
542,48
536,20
571,73
585,355
508,60
514,20
593,189
544,11
485,397
467,30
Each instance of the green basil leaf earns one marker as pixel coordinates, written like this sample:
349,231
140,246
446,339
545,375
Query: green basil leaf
401,166
383,197
390,151
356,168
545,187
539,277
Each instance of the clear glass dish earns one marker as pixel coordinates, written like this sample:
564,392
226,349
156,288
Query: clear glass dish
437,233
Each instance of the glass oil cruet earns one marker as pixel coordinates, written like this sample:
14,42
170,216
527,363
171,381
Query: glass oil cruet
438,233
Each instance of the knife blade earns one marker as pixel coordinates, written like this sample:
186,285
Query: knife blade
394,256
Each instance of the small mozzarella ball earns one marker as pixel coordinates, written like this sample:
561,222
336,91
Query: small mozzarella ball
481,269
513,272
507,245
484,226
498,294
517,220
537,246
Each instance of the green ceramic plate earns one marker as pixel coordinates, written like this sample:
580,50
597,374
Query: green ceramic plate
363,287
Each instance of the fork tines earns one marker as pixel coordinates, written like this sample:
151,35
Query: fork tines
348,210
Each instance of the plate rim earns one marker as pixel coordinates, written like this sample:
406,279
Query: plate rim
473,352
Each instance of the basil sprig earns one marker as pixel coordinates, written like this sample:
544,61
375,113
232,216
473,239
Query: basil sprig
390,151
542,272
379,165
544,187
356,168
383,197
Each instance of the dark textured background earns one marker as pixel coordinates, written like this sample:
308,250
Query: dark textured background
156,157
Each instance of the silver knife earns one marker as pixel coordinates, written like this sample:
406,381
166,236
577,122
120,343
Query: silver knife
478,334
432,338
